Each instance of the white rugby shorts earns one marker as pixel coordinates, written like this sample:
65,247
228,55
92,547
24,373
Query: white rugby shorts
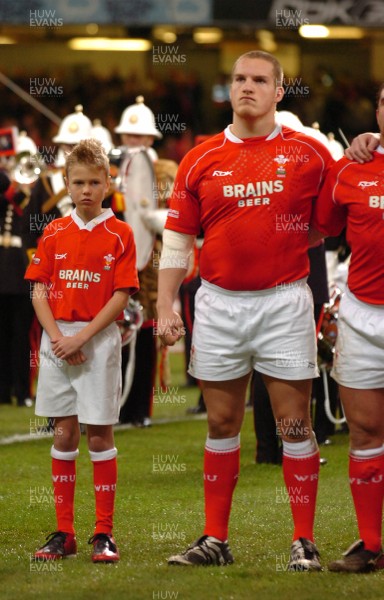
91,390
359,352
272,331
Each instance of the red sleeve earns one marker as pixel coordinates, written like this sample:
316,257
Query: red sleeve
40,268
329,215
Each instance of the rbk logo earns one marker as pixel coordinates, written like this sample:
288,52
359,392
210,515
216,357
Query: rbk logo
221,173
365,184
60,256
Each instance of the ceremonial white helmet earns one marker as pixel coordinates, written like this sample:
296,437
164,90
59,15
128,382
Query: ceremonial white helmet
138,119
25,144
74,128
102,134
284,117
335,148
314,131
289,119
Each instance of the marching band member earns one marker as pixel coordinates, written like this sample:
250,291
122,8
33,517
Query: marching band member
138,132
16,312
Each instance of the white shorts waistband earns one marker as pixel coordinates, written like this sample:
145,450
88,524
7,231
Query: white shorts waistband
279,288
374,307
76,326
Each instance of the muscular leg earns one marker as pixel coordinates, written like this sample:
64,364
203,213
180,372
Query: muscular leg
225,402
290,402
364,410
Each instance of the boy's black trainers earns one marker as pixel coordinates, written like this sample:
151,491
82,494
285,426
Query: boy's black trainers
204,552
356,560
59,545
304,556
104,548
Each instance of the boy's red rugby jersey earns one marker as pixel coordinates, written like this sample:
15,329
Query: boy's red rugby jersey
84,264
253,199
353,196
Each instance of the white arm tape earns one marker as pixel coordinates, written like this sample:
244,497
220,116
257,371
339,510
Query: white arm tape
155,219
176,250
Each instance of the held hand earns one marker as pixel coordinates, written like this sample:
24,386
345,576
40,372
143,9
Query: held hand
170,328
68,346
76,359
362,147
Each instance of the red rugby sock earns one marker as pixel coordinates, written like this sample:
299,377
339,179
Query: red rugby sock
366,478
104,478
221,471
64,481
301,464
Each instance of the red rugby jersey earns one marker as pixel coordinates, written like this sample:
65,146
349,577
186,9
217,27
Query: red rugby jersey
353,196
84,264
253,200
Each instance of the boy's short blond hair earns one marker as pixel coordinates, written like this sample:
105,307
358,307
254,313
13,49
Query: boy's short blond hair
90,153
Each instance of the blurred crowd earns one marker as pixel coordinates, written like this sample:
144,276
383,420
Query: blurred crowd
182,99
178,99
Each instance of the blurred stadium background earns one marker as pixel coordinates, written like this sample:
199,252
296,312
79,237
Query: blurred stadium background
178,54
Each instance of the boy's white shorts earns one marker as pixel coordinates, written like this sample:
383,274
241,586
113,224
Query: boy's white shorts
91,390
272,331
359,356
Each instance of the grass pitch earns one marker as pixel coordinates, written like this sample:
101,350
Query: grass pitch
159,510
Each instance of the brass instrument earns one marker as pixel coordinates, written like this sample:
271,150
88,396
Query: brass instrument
133,320
25,168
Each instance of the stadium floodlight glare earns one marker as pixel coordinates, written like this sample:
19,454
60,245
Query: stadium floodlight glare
165,33
207,35
345,33
314,31
266,40
4,39
114,44
92,28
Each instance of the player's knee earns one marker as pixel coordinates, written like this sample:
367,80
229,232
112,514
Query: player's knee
293,429
364,434
100,438
66,440
223,426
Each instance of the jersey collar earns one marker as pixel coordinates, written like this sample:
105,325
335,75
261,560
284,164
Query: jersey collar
233,138
106,214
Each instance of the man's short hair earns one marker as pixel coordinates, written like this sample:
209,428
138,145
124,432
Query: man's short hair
277,68
88,152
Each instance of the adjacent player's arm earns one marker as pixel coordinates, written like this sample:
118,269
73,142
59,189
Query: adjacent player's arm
68,345
43,310
177,248
362,147
47,321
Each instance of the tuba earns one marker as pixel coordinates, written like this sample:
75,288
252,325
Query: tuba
26,168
